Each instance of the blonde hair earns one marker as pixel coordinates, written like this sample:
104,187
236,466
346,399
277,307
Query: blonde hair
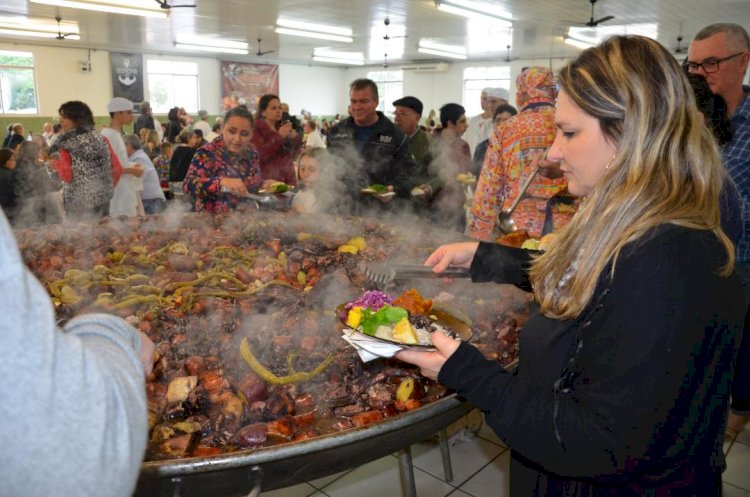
667,168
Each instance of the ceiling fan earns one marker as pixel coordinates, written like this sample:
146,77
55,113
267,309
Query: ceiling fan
60,34
386,37
679,48
592,23
261,53
166,5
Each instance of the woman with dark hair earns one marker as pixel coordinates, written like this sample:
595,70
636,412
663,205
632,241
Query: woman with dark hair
7,182
622,385
34,188
712,106
174,126
501,114
277,142
85,162
447,207
223,171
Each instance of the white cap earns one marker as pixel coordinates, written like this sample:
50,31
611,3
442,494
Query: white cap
500,93
119,104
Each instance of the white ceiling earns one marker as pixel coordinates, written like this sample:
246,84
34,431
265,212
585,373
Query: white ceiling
537,32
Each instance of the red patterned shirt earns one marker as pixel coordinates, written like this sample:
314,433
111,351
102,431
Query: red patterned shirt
213,162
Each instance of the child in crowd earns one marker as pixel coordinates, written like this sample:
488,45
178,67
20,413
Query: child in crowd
161,163
308,170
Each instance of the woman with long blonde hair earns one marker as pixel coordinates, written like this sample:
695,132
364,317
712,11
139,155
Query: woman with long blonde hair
623,380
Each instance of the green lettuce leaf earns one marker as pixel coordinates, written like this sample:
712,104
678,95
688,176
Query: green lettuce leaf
384,316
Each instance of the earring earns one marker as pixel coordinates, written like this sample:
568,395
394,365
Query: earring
610,161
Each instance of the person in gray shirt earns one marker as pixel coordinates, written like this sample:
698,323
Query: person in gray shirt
73,406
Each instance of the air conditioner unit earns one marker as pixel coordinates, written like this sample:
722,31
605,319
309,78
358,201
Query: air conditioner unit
437,67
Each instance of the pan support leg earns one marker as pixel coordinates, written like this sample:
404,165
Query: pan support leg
406,472
445,454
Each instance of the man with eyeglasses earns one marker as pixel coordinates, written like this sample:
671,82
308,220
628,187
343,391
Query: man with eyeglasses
424,179
721,53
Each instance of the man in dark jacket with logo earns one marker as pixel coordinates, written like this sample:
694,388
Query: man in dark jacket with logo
375,150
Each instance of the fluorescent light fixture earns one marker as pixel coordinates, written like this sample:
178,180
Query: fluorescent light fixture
442,50
325,54
333,60
147,8
476,10
204,48
312,30
35,34
577,43
440,53
38,27
593,36
317,36
185,39
308,26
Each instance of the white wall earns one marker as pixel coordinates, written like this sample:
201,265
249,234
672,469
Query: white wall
58,79
315,89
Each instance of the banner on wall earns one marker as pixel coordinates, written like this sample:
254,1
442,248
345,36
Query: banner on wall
127,76
244,84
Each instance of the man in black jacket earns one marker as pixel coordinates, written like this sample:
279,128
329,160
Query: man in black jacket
375,150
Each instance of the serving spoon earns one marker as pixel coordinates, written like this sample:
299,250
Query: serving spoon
505,221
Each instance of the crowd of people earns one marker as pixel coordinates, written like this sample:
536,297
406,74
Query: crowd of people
635,353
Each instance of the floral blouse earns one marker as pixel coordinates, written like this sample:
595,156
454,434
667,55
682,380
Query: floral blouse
509,161
213,162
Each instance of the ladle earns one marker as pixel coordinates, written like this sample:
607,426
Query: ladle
505,223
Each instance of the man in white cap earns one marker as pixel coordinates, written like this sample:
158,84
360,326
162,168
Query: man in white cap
126,201
205,126
480,127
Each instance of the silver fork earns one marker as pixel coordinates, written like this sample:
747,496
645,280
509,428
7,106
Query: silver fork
381,273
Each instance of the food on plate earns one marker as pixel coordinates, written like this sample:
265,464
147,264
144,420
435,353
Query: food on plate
404,333
547,241
466,178
417,192
530,244
276,187
521,239
376,188
380,315
412,301
514,239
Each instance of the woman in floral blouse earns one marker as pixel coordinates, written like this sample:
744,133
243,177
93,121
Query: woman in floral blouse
510,159
224,170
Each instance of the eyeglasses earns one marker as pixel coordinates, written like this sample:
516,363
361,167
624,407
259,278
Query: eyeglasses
404,113
711,65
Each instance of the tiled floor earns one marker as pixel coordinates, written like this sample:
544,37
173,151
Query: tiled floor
480,469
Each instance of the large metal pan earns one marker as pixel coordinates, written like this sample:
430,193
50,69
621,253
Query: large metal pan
243,473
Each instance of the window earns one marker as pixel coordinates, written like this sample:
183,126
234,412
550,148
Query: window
476,78
390,87
17,87
172,84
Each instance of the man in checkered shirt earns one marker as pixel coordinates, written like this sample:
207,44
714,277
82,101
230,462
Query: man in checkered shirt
721,53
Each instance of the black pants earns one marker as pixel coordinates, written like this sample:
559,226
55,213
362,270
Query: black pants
741,381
